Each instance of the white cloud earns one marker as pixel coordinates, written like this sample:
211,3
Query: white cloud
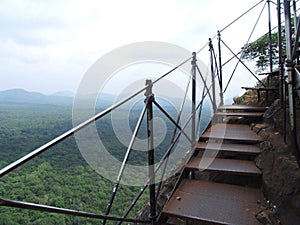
48,45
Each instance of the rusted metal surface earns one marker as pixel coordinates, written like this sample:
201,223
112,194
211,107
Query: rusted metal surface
232,148
230,127
231,132
230,166
214,202
245,108
241,114
51,209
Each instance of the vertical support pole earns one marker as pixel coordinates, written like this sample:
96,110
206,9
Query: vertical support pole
295,26
289,68
295,16
280,60
281,71
270,49
270,38
220,69
212,74
194,60
149,101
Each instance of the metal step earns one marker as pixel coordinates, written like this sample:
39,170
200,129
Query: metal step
216,203
229,166
231,132
232,148
244,108
230,127
241,114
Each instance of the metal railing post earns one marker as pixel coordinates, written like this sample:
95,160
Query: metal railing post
270,49
212,74
291,80
152,196
280,60
270,38
194,60
295,16
281,70
220,69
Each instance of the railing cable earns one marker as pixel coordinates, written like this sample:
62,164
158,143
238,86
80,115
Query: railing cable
224,28
200,110
167,154
173,136
243,50
216,64
68,133
204,82
126,157
243,65
242,15
38,151
46,208
189,154
172,120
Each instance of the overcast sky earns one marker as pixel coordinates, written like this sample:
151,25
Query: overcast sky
47,46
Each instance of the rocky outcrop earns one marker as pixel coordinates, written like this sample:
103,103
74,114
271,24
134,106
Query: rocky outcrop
280,175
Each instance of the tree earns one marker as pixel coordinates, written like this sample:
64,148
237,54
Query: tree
259,51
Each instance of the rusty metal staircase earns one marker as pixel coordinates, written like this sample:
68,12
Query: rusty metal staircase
225,150
220,183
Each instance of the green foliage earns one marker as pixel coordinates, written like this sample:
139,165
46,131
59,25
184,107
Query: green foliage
59,177
259,51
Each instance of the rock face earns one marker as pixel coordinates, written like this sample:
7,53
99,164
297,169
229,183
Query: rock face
264,217
281,179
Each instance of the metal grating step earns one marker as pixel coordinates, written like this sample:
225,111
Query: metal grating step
240,114
244,108
231,132
214,202
232,148
230,127
230,166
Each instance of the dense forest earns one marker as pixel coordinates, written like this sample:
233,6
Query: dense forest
58,177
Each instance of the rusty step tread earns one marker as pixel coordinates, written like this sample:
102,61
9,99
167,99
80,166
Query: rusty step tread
245,108
230,127
232,137
259,88
231,132
227,147
217,203
240,114
230,166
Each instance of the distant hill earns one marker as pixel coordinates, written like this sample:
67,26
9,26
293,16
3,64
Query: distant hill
23,96
64,94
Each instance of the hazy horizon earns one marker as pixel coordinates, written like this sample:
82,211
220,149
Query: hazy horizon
49,46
